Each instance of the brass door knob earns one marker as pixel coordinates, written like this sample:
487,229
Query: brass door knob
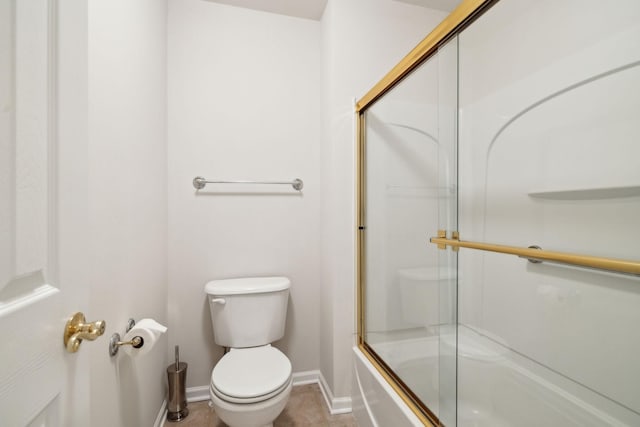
77,330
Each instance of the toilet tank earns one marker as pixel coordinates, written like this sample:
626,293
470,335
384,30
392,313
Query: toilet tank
248,312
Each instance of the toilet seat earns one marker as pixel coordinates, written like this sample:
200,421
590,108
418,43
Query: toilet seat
250,375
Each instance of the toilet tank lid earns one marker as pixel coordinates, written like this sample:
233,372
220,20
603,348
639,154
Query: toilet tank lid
247,285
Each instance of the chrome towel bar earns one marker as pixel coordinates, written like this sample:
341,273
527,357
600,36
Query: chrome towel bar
199,183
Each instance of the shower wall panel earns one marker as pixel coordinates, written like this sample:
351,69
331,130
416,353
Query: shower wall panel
548,156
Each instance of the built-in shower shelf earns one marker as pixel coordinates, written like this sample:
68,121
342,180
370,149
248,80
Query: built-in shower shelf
588,193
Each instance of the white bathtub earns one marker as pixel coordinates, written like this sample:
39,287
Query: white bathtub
496,388
374,402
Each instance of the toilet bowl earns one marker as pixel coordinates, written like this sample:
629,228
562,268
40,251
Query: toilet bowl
251,383
249,386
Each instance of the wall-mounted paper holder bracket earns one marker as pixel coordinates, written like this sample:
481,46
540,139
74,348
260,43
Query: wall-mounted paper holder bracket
115,343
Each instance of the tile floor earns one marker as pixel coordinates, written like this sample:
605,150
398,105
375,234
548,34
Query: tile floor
306,407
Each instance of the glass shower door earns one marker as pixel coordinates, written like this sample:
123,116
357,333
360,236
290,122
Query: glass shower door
549,142
521,131
410,192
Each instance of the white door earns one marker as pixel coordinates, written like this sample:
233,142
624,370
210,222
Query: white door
42,202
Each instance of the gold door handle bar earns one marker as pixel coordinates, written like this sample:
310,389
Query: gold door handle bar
608,264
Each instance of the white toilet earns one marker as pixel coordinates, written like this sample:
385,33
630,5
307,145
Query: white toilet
251,384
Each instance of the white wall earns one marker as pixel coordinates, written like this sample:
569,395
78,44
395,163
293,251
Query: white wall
247,95
127,202
243,96
362,40
6,150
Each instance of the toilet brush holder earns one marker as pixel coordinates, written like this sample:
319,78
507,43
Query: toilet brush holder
177,377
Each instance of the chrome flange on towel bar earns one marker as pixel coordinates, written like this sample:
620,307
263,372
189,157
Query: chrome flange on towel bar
199,183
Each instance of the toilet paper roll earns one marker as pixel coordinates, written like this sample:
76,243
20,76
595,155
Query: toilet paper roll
149,330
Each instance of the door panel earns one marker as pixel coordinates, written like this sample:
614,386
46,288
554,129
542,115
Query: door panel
31,357
32,80
36,375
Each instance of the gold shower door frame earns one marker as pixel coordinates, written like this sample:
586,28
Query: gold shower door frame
461,17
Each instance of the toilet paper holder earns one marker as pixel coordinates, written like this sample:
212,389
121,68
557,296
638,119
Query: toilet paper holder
115,343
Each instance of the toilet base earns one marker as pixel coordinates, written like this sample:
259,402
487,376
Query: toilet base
259,414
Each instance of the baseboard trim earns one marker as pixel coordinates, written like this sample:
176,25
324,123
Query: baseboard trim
194,394
306,377
197,394
162,415
336,405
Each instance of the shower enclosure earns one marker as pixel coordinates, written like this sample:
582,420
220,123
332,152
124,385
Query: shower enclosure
513,144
